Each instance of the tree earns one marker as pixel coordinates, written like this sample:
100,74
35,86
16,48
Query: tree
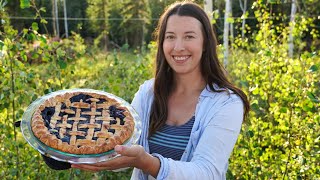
55,22
208,8
292,17
226,32
77,18
243,7
136,15
98,12
65,18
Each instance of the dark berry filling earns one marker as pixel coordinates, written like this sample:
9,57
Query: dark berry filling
78,97
48,112
116,113
112,130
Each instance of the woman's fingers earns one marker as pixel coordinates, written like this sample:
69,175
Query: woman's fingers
119,162
86,167
132,151
129,157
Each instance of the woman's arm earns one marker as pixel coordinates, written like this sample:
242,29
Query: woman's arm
133,156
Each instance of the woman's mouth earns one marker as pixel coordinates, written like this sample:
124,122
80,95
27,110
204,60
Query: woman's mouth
180,59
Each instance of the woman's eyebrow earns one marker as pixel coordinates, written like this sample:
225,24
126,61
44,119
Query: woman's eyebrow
188,32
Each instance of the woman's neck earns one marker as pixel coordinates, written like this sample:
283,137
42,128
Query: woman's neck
188,84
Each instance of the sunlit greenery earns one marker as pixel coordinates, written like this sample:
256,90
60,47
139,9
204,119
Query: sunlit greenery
279,140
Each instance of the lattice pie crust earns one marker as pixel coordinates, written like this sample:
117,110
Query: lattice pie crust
82,123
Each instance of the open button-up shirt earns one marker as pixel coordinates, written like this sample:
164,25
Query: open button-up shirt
218,119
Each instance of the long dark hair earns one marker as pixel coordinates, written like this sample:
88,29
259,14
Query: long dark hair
212,70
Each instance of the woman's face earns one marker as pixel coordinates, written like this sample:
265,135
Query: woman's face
183,44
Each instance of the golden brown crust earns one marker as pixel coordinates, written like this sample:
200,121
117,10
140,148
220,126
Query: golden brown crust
95,137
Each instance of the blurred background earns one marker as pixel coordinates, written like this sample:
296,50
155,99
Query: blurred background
270,49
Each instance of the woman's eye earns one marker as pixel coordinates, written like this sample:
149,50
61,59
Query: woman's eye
169,37
189,37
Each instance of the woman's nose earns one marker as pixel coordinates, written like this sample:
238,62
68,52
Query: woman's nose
179,45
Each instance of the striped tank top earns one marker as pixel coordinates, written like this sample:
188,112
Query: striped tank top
171,141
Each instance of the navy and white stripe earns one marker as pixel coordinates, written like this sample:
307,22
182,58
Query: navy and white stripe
171,141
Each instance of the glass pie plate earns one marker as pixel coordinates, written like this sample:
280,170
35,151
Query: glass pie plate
67,157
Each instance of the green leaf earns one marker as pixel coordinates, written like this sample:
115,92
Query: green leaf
61,52
43,9
230,20
43,39
34,97
255,107
314,68
35,26
43,21
2,5
312,97
24,56
47,91
311,54
62,64
45,58
268,53
272,1
24,4
35,55
283,109
1,44
244,83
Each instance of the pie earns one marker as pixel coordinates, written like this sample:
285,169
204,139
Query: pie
82,122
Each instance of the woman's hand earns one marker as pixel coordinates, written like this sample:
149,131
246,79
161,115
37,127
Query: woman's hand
134,156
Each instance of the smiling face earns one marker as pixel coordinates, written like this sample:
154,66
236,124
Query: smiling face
183,44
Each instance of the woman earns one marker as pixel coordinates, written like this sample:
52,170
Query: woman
191,113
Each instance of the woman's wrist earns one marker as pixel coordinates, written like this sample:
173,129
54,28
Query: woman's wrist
150,165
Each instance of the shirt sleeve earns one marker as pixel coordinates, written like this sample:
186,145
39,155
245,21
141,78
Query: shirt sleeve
216,142
139,101
136,102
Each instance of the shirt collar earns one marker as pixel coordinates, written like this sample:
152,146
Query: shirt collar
207,92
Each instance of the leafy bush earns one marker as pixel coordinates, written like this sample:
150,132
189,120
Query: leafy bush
29,71
280,139
117,73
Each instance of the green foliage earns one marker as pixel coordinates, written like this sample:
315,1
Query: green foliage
280,140
33,65
124,23
136,15
24,4
117,73
99,9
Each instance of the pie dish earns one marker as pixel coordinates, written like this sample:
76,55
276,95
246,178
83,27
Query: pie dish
80,125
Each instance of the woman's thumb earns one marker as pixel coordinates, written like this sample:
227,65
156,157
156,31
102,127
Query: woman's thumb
130,151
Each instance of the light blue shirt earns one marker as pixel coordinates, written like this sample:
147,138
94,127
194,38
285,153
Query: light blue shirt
215,131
